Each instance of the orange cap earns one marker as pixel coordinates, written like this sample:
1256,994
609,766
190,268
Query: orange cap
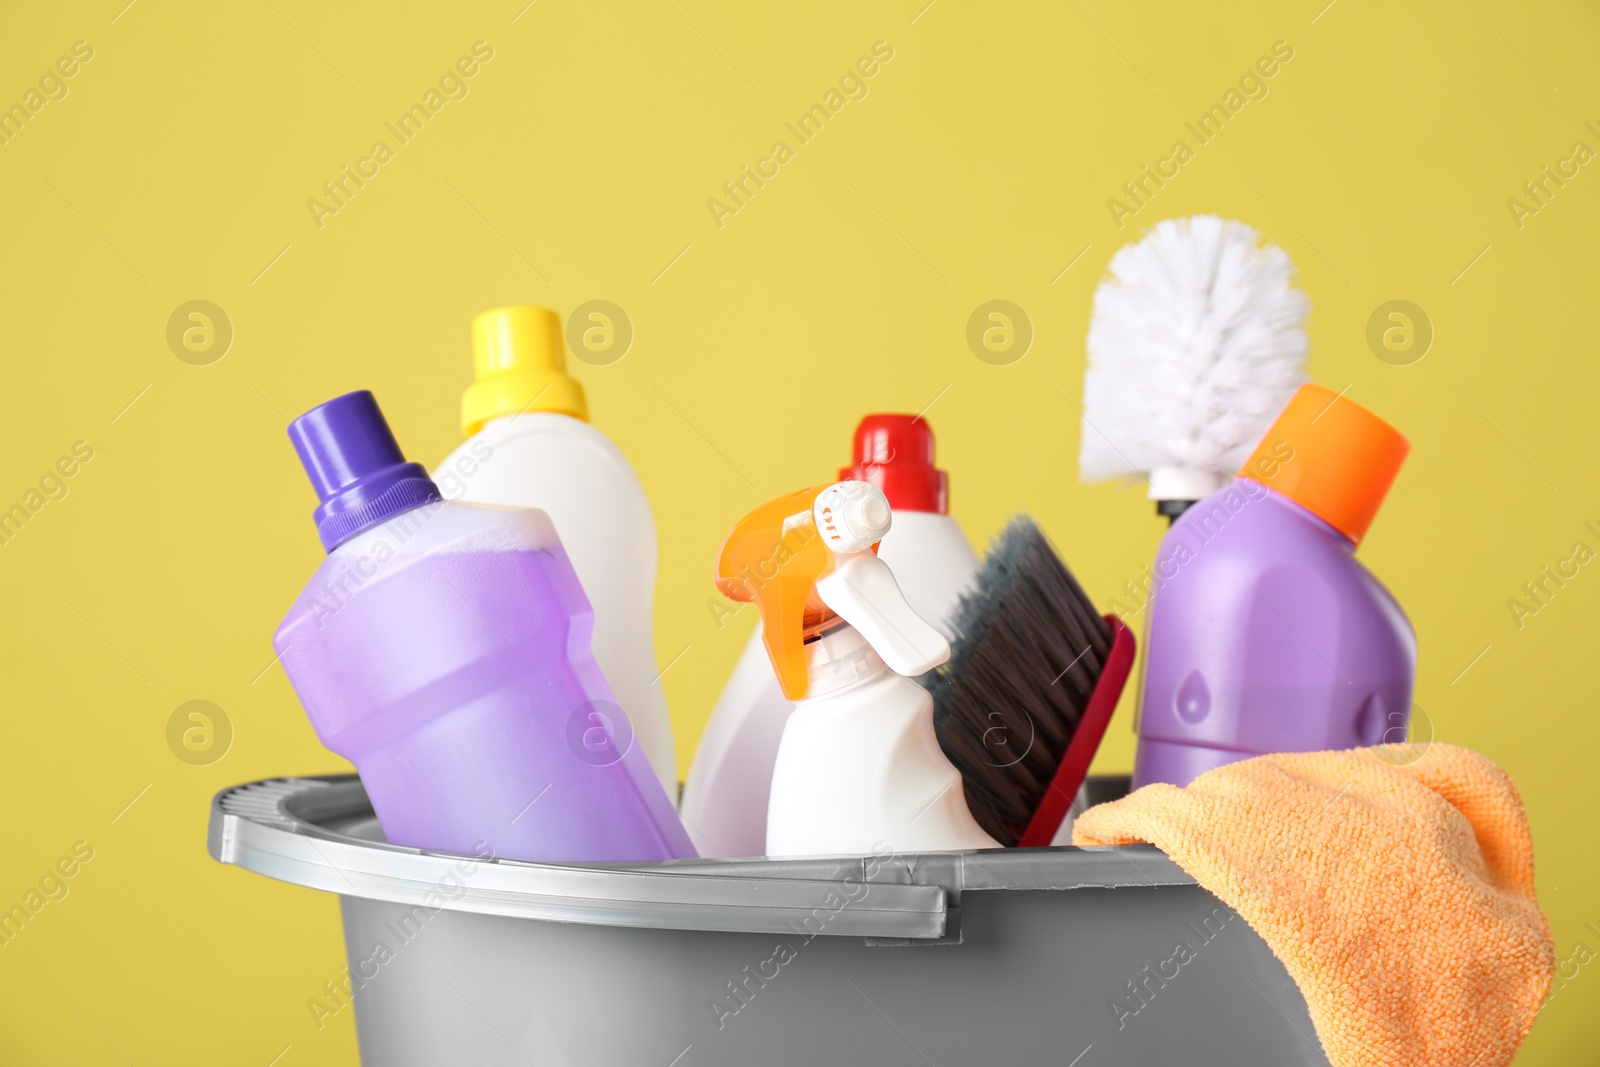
773,559
1331,456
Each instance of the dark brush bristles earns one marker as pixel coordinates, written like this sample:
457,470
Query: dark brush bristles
1028,650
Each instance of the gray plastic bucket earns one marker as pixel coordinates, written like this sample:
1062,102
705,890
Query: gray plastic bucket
1060,956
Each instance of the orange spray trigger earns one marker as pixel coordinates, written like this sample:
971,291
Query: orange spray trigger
773,558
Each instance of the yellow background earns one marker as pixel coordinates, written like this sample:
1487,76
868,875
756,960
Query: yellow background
978,167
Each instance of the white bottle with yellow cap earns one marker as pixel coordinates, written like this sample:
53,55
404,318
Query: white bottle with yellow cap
530,445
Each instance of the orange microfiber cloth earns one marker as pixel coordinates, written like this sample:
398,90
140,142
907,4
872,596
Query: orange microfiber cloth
1399,896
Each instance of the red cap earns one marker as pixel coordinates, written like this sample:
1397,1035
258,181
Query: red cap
895,453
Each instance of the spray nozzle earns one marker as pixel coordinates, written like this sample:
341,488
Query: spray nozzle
853,516
809,555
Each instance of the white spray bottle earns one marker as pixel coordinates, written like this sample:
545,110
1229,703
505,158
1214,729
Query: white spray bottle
725,796
859,766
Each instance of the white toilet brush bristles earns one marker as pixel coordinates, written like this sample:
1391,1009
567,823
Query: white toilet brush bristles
1196,342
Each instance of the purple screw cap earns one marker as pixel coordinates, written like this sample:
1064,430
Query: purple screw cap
356,467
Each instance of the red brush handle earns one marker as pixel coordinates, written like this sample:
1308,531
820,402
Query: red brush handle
1085,741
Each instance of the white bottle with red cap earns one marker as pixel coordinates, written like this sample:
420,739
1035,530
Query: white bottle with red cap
726,796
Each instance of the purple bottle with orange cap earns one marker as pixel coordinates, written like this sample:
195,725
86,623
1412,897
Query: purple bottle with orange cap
1266,634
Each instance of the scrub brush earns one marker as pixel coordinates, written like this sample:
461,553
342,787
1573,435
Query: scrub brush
1033,677
1196,342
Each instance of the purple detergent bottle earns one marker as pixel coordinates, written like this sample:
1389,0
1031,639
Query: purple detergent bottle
443,648
1266,635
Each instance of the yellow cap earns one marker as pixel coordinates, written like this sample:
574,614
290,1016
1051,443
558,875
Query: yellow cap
519,364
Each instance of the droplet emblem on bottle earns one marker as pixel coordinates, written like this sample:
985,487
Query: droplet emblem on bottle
1193,699
1370,722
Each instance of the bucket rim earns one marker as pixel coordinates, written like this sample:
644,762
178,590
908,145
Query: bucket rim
301,830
